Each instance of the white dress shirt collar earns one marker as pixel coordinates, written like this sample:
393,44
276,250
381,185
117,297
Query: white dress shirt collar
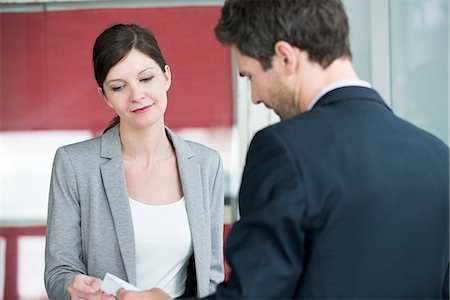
336,85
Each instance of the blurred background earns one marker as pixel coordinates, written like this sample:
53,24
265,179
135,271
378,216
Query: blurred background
48,94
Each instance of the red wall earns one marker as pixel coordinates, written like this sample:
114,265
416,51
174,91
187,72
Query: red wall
47,79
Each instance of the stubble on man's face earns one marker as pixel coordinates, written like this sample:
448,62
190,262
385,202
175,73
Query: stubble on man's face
282,100
267,86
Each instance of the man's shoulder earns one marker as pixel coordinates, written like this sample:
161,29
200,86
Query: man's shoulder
301,125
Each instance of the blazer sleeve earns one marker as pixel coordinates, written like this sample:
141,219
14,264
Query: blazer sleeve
63,257
217,208
445,284
266,247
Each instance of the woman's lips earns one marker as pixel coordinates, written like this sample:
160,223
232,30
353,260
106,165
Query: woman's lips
142,109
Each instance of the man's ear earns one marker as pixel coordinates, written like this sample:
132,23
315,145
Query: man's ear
287,56
100,91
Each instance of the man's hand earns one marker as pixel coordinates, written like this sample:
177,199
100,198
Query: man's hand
86,287
153,294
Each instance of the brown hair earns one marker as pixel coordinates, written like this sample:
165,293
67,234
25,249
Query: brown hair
319,27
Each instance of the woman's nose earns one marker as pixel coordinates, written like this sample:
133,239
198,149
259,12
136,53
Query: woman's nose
136,94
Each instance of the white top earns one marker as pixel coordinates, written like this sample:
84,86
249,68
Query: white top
336,85
163,245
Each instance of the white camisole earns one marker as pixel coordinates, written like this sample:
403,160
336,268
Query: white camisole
163,246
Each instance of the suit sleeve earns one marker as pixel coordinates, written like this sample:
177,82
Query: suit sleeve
265,248
445,284
217,204
63,257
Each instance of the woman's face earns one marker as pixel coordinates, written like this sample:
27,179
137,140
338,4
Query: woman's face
136,88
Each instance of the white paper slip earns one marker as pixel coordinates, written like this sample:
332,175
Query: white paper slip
112,283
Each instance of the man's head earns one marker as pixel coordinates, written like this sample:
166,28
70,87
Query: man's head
290,40
319,27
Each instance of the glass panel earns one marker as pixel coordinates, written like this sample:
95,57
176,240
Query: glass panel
358,13
419,61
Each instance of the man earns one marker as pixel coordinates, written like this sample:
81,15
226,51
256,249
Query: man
341,199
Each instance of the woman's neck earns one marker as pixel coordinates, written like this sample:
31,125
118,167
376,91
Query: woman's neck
146,144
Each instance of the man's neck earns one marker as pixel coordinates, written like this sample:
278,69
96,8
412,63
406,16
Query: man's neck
315,78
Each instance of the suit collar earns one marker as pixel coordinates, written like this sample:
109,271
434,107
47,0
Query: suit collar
182,148
335,85
191,181
350,93
111,146
113,177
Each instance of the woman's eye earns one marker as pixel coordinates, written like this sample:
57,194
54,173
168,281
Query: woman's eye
146,79
117,88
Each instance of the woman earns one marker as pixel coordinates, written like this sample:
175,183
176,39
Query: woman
138,201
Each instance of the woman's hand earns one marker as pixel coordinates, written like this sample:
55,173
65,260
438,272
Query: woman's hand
86,287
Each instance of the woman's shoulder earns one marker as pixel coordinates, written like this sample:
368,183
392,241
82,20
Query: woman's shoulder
94,142
202,149
190,148
82,149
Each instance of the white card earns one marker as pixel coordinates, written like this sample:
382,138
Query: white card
112,283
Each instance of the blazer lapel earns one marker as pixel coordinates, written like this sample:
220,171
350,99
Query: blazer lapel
113,176
191,182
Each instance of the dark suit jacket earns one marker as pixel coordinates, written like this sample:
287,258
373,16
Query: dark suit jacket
344,201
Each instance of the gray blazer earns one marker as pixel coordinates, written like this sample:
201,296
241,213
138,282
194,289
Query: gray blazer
89,225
